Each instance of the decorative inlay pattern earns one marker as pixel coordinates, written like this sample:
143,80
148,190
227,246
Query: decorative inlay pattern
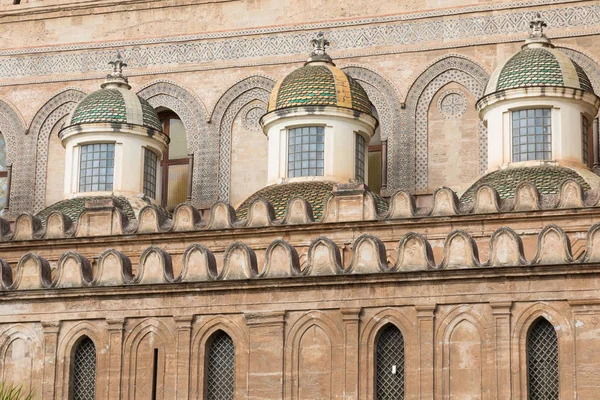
452,104
344,39
20,153
251,116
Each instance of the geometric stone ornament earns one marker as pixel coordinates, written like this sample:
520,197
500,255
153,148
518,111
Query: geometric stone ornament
199,264
527,197
324,258
571,194
402,205
32,272
27,227
487,200
414,253
155,267
281,260
114,269
452,104
222,216
74,270
260,214
592,245
186,218
239,262
445,202
553,247
460,251
58,226
298,212
368,256
151,219
506,249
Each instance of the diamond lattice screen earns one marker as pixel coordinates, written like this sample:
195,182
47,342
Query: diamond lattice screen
220,375
542,361
390,353
84,371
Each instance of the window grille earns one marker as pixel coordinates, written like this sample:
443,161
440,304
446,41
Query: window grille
584,139
84,371
96,167
542,361
390,364
306,151
150,166
360,158
220,376
532,134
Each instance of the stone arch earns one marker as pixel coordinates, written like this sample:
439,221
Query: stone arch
162,339
332,333
385,96
194,116
256,88
204,332
12,127
462,318
67,345
368,344
34,346
58,107
411,162
564,331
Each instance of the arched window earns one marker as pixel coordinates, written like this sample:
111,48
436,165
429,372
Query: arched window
3,174
175,162
220,367
542,361
83,376
389,364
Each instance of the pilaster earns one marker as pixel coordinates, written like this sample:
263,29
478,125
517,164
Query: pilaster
502,378
50,330
425,331
184,337
115,343
351,318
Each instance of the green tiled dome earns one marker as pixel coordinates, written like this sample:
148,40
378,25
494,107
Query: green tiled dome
73,208
115,105
547,179
319,84
539,66
314,192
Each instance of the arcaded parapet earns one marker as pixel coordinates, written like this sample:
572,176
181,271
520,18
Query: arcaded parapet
592,245
506,249
298,212
27,227
239,262
402,205
445,202
74,270
553,247
571,195
199,265
368,256
486,200
414,253
58,226
114,269
260,214
186,218
527,197
222,216
155,267
153,220
33,272
460,251
6,281
324,258
281,260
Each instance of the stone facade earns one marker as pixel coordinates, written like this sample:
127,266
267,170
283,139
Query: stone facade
303,302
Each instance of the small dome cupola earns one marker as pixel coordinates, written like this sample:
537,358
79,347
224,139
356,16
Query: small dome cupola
114,142
538,107
319,123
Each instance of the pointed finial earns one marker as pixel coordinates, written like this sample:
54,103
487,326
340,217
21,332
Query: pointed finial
116,77
319,53
537,37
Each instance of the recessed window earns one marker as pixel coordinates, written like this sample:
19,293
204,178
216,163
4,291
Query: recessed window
359,164
306,151
542,361
83,377
390,364
531,135
584,139
96,167
220,367
150,166
175,162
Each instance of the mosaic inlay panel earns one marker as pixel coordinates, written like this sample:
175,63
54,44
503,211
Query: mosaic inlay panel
452,104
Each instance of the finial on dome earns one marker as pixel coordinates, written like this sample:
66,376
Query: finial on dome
116,77
319,53
537,37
